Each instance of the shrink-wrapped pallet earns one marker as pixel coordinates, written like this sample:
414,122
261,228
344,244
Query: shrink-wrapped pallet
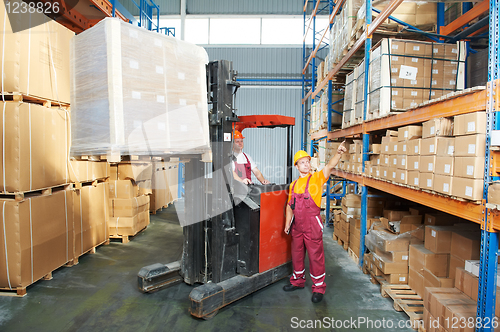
136,92
349,99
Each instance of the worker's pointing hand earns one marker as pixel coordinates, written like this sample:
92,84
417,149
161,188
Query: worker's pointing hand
342,149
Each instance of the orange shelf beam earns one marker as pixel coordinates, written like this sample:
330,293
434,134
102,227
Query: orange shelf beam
315,10
466,210
106,7
462,20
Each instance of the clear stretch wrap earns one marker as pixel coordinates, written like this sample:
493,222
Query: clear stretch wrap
360,86
136,92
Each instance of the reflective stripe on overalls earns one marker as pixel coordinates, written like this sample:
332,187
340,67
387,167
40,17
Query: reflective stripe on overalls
307,234
244,171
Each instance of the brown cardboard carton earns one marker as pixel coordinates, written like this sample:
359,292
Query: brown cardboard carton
409,132
129,207
403,147
145,187
375,148
413,163
413,178
137,171
443,184
88,171
392,174
444,165
416,282
428,146
427,164
445,146
351,201
421,258
470,145
385,160
33,158
440,219
466,245
426,180
396,278
431,280
468,188
393,256
438,238
36,60
393,148
387,241
402,161
431,293
402,176
91,215
471,123
417,234
494,193
469,167
414,147
128,226
124,189
388,267
394,215
39,235
454,263
437,127
460,313
384,172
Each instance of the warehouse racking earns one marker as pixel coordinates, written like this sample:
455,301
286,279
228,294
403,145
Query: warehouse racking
469,101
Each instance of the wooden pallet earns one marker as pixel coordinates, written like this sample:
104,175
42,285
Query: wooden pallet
27,98
21,291
341,242
405,299
127,238
353,256
80,185
92,250
20,196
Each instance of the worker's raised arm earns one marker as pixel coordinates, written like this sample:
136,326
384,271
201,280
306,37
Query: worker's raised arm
334,161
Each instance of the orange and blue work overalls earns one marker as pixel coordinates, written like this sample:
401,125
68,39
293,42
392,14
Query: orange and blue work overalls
307,234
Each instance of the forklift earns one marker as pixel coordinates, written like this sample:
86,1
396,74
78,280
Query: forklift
234,240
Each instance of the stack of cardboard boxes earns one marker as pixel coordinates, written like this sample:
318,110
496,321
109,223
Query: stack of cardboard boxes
319,111
165,185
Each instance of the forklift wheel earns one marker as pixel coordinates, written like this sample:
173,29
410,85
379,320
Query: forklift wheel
211,315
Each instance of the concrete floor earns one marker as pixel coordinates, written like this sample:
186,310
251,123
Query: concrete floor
100,294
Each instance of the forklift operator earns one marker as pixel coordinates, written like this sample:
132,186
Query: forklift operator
243,166
303,209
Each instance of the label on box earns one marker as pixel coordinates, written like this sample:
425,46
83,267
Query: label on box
430,166
434,82
380,264
452,82
429,183
416,48
408,73
468,191
451,149
415,165
414,93
159,70
406,134
395,58
393,175
158,42
470,170
416,148
393,81
395,148
433,130
402,176
402,279
160,99
394,92
415,181
136,95
385,173
395,46
394,69
435,71
134,64
435,50
395,161
454,50
429,220
413,82
404,147
386,160
446,187
431,148
472,149
386,148
378,173
414,59
471,126
403,162
433,233
447,168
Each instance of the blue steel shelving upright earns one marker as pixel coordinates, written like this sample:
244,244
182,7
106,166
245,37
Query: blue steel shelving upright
489,235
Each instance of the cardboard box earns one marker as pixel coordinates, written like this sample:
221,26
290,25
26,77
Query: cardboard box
428,146
443,184
445,146
438,238
392,174
37,60
444,165
375,148
389,267
396,278
402,176
394,215
421,258
413,163
39,235
387,241
454,263
427,164
414,147
137,171
469,167
35,147
402,161
409,132
470,123
393,147
466,245
128,226
88,171
468,188
385,160
440,219
494,193
351,200
384,172
124,189
437,127
470,145
129,207
403,147
460,313
416,282
91,213
467,283
413,178
427,181
431,280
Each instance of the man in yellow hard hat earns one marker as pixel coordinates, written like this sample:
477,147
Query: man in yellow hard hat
244,166
304,201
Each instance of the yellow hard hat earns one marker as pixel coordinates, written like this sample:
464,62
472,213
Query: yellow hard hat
300,154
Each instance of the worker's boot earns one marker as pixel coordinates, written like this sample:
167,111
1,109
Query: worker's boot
317,297
290,287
